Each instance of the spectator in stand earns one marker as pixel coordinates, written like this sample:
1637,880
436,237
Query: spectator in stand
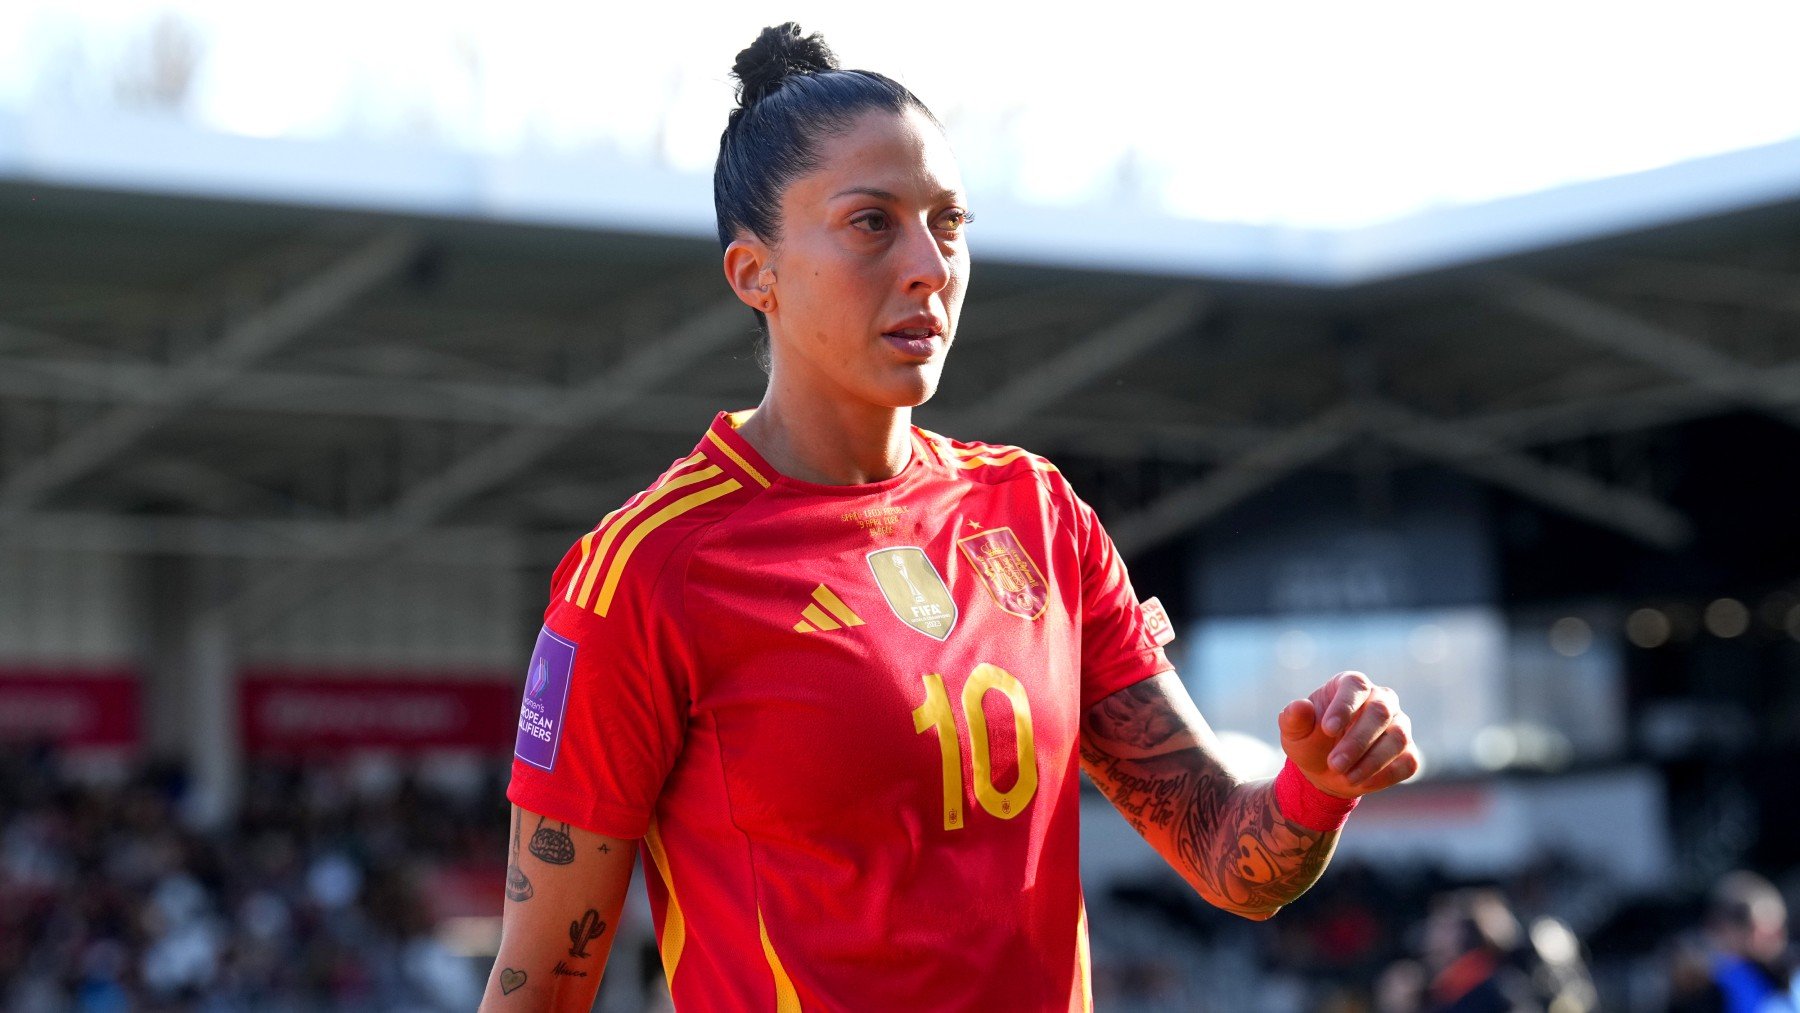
1471,939
1400,988
1558,969
1746,966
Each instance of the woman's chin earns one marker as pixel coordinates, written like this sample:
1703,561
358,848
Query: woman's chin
912,388
912,395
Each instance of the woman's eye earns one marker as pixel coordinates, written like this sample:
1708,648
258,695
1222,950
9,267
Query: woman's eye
956,218
874,221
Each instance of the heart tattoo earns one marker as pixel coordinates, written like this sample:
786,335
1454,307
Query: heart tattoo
510,980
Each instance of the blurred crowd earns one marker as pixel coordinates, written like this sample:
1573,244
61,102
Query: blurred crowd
337,888
315,898
1552,938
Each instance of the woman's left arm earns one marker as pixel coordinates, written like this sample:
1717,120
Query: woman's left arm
1151,753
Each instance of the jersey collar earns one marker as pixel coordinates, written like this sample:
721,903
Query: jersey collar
726,447
730,451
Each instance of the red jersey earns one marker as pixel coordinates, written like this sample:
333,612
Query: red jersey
844,720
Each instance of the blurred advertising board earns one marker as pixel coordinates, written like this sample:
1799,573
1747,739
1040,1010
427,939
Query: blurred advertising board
77,711
1497,825
286,714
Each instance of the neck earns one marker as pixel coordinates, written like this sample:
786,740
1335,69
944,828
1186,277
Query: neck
830,442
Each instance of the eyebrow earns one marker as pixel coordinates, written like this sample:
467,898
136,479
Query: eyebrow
880,194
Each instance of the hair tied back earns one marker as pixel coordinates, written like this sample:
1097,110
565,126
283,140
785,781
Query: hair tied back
778,53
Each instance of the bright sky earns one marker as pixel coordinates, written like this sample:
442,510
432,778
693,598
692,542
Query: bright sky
1297,113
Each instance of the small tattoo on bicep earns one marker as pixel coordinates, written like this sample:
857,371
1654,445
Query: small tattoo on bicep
551,845
1140,716
583,931
605,850
518,886
511,980
566,971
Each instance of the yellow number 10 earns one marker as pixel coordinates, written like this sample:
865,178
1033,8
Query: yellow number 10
935,713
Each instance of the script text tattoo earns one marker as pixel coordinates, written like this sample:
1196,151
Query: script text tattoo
1228,838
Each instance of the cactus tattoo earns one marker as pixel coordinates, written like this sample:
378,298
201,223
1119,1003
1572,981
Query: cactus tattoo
584,931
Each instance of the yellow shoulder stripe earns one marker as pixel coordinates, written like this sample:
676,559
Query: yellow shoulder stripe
674,933
587,556
940,447
587,540
657,520
735,456
786,999
978,448
988,454
587,546
1081,958
978,460
625,518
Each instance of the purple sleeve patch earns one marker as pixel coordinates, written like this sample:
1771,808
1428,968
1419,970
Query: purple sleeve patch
546,696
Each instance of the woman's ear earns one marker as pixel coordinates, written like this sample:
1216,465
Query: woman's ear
749,270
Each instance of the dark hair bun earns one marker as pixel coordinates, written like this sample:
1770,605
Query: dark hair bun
777,54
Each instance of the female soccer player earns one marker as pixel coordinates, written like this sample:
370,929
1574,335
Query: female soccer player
838,674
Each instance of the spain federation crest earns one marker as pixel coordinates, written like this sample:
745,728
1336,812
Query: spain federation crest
1011,576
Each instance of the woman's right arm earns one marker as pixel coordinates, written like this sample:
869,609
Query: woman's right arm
564,889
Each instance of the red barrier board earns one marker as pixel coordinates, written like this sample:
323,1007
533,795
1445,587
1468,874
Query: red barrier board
286,714
73,710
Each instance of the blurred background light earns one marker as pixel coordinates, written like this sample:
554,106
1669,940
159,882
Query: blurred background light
1429,644
1294,649
1727,618
1496,747
1647,628
1571,636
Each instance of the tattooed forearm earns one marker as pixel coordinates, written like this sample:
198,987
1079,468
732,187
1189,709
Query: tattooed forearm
1145,800
576,888
1150,752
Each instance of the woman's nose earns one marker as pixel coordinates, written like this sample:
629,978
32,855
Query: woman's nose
928,263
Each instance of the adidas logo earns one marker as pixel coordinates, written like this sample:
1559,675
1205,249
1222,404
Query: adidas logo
827,612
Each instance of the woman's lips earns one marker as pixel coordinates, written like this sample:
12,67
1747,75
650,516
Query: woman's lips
921,345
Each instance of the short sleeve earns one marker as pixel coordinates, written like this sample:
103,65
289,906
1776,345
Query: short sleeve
605,704
1117,648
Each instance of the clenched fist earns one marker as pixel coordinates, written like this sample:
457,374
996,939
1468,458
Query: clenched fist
1350,737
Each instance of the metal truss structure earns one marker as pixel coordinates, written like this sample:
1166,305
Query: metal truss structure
313,391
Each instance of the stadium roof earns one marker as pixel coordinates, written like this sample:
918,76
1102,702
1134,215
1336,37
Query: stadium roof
164,155
308,353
